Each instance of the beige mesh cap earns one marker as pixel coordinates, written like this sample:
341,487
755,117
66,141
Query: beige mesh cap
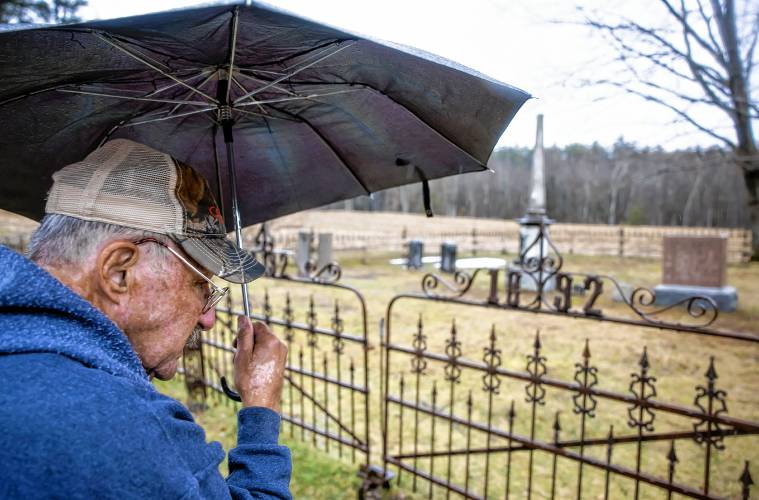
132,185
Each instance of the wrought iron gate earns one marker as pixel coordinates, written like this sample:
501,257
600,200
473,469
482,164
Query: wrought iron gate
326,396
456,420
460,417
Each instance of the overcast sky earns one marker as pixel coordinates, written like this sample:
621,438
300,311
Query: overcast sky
515,41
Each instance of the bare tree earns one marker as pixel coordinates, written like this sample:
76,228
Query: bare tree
39,11
702,57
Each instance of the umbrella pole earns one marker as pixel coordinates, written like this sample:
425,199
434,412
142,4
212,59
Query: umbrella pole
226,124
235,206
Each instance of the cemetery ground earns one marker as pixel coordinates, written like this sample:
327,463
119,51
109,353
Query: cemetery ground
678,361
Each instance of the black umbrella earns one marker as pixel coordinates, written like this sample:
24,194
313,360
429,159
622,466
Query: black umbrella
305,114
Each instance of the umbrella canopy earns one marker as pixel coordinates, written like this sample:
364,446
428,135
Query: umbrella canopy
316,114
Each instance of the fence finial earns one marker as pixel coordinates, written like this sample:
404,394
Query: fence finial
746,481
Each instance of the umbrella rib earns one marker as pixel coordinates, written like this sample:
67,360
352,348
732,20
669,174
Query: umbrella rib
244,90
257,70
290,75
35,92
329,145
118,125
55,87
151,93
233,49
310,52
137,52
146,99
172,85
132,43
180,115
258,80
295,98
160,112
128,52
200,85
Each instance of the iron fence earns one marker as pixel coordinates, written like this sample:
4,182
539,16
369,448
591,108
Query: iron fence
326,391
454,423
460,418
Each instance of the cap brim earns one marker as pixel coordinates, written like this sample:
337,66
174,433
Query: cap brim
223,258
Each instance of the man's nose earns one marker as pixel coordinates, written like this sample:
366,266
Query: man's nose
207,319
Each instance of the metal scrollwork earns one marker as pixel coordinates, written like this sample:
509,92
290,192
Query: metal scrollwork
264,240
586,377
418,363
288,317
707,429
462,282
536,366
267,309
540,263
453,351
338,344
697,308
642,386
491,382
311,321
331,273
544,266
276,261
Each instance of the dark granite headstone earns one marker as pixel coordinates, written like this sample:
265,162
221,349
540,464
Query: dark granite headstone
303,252
415,249
325,250
448,257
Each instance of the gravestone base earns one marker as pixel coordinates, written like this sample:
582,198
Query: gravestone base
725,297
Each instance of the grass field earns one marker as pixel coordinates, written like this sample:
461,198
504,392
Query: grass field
678,360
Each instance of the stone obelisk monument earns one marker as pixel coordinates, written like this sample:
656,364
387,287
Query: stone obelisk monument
536,219
536,208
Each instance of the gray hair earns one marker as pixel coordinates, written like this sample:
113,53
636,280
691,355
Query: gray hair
65,240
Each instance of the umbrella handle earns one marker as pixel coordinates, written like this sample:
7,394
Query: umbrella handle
228,391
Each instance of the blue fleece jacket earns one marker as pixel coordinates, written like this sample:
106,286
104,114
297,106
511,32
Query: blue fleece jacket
80,419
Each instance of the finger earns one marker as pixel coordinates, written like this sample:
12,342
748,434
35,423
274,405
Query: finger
244,338
261,331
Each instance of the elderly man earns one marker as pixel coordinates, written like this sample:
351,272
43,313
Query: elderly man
117,283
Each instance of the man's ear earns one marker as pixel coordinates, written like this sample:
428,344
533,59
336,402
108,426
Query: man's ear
114,262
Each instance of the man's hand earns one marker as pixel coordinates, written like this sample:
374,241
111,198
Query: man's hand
259,365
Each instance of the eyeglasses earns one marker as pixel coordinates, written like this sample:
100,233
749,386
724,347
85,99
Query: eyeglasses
216,294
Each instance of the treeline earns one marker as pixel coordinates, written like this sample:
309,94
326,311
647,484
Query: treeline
590,184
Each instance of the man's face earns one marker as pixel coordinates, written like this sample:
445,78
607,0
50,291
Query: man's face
165,311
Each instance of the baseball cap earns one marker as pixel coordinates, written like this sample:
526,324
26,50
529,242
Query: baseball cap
132,185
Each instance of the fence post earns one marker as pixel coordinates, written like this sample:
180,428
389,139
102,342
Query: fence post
194,377
746,257
621,241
